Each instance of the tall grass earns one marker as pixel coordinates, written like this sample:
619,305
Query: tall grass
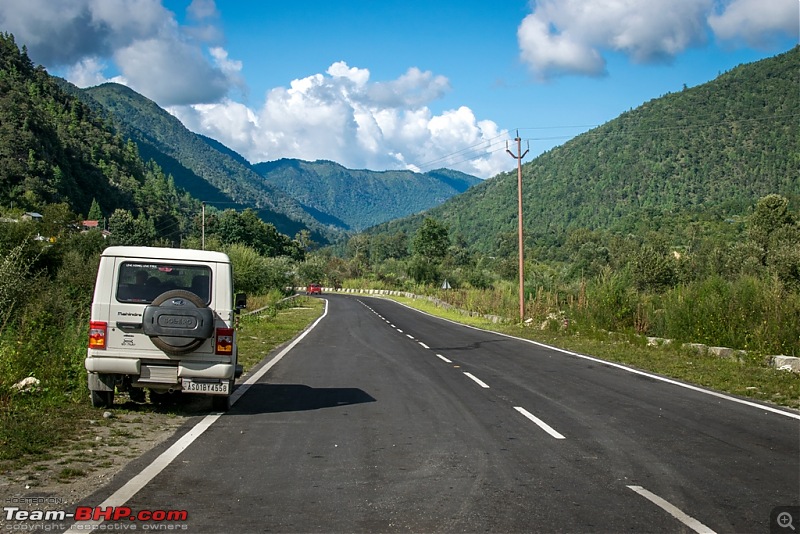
749,313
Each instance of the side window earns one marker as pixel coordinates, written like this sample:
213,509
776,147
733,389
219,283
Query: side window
144,282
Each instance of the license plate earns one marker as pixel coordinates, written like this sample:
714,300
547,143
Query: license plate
215,388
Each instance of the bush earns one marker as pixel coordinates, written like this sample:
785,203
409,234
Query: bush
611,301
749,313
15,272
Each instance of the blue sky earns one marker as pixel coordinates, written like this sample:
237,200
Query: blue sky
398,84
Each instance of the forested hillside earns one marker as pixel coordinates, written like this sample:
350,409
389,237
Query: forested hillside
203,167
60,158
55,150
357,199
705,154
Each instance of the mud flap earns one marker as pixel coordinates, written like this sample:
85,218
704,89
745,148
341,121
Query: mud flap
101,382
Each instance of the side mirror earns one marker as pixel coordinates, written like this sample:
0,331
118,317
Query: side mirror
240,301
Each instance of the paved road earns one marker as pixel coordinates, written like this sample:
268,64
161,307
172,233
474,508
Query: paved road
383,419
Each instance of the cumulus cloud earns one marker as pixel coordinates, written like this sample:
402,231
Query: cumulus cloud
60,32
756,22
182,76
570,36
344,117
140,38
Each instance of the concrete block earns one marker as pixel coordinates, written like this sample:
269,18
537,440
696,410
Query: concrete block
786,363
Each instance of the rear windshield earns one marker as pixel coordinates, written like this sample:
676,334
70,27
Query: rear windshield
143,282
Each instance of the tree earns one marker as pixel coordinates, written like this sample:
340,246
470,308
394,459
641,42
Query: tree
121,224
771,215
431,241
304,241
311,270
653,269
95,213
247,228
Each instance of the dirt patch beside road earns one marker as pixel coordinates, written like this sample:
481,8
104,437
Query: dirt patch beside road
78,468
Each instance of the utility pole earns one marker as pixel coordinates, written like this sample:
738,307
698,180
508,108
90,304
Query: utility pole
519,157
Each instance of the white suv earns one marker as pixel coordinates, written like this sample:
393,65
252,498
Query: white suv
163,318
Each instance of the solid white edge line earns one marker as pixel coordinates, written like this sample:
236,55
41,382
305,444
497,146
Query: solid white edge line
544,426
477,380
445,360
618,366
132,487
674,511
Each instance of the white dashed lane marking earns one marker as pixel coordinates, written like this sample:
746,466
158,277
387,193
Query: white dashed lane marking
477,380
672,510
544,426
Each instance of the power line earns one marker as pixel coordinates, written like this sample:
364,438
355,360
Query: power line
483,143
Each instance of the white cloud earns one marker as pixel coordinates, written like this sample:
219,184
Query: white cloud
140,39
151,69
202,9
756,22
570,36
61,32
87,72
343,117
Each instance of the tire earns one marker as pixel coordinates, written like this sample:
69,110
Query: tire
220,403
102,399
168,344
157,397
136,394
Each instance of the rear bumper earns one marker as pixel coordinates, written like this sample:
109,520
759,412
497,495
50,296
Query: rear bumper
183,369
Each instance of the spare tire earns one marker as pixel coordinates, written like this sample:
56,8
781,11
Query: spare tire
178,322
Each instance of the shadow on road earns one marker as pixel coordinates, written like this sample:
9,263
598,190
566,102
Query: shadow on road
272,398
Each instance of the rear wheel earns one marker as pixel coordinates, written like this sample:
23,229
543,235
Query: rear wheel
136,394
102,399
160,397
221,403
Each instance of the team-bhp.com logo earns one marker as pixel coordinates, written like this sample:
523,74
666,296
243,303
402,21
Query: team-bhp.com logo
96,513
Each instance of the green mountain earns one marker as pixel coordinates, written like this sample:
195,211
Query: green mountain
203,167
55,149
358,199
705,153
323,197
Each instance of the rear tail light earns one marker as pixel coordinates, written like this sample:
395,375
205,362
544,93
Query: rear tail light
224,344
97,334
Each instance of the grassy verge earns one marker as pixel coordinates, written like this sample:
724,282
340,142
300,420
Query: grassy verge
750,378
261,332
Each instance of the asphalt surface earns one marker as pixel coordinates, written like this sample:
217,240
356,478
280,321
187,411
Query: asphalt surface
383,419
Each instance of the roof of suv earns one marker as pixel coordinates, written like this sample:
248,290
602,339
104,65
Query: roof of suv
158,253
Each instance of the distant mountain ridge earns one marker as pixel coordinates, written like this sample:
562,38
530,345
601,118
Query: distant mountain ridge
203,167
323,197
359,199
710,151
